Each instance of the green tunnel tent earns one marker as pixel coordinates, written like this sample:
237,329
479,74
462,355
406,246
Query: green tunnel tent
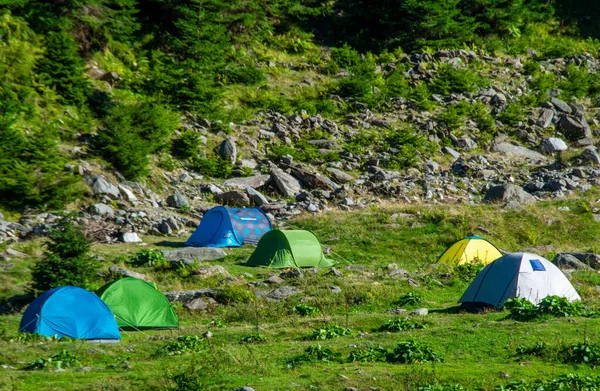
282,249
137,304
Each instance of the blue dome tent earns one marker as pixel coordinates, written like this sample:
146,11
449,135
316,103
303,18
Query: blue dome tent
230,227
72,312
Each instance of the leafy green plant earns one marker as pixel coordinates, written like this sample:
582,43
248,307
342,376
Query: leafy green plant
538,350
253,338
306,310
216,323
409,352
449,79
187,145
468,271
314,353
215,167
396,325
582,353
231,294
329,332
551,306
182,345
66,260
150,258
63,359
370,354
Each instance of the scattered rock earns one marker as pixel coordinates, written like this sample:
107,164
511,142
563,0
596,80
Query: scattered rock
508,193
128,273
286,184
233,198
210,271
189,255
228,150
177,200
102,210
565,261
552,144
283,293
515,150
101,187
255,182
130,237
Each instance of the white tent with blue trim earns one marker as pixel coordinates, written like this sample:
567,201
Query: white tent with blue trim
518,275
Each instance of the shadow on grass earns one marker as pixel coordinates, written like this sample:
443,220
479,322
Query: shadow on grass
171,244
15,304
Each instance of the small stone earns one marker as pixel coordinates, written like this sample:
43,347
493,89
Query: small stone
420,311
177,200
207,335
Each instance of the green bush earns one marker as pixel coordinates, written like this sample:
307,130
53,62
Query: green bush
370,354
183,344
306,310
150,258
420,96
61,360
215,167
579,83
411,148
537,350
468,271
451,80
396,325
410,352
131,132
247,75
582,353
409,299
235,294
187,145
550,306
328,332
314,353
66,260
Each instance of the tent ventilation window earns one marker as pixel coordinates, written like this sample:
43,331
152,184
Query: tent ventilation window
537,265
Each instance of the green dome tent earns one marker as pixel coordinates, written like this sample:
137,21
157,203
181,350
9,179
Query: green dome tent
282,249
137,304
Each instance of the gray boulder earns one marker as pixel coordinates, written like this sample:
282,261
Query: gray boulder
189,255
566,261
283,293
210,271
102,210
286,184
552,144
515,150
228,150
101,187
255,181
574,128
590,155
130,237
177,200
339,175
508,193
561,105
545,118
256,197
189,296
201,304
590,259
420,311
233,198
128,273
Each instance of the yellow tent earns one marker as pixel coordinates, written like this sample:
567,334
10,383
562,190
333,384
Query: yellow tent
472,249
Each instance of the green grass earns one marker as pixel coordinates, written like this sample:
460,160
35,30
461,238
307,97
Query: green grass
478,349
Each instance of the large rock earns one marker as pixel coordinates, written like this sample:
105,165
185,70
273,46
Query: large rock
574,128
283,293
228,150
127,194
190,255
128,273
102,210
508,193
312,180
210,271
552,144
286,184
561,105
545,118
233,198
130,237
256,197
188,296
339,175
177,200
515,150
566,261
101,187
590,259
590,155
201,304
255,181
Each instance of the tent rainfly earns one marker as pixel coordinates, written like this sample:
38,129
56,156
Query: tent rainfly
71,312
470,250
286,249
230,227
517,275
137,304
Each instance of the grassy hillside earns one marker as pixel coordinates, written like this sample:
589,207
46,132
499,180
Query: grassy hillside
479,350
